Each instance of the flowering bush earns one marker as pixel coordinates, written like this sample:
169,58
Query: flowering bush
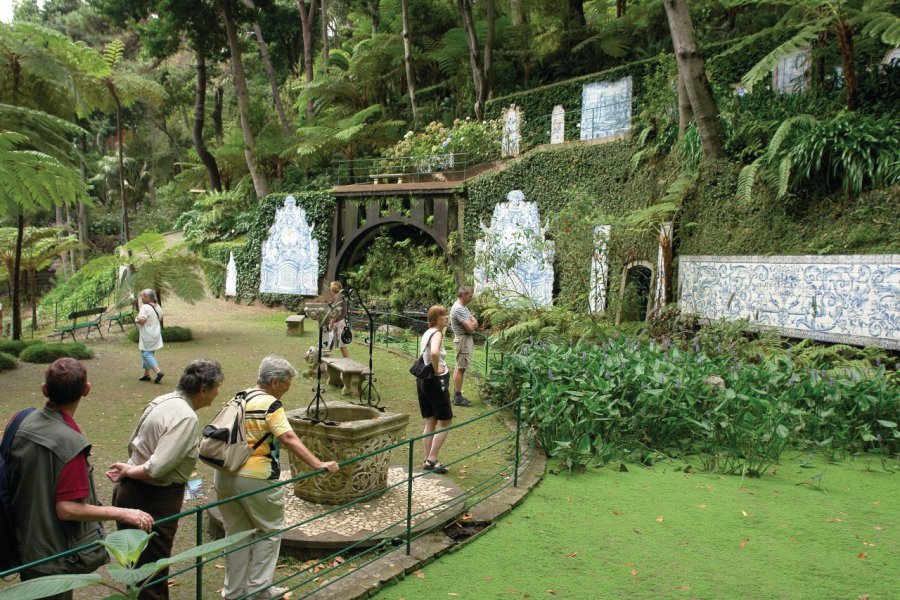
478,140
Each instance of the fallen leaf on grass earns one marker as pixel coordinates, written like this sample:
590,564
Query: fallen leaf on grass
869,544
701,506
572,555
488,578
172,583
452,594
616,513
684,587
511,591
743,543
220,566
637,531
863,555
551,592
419,574
793,538
744,512
877,502
633,572
879,528
862,597
659,519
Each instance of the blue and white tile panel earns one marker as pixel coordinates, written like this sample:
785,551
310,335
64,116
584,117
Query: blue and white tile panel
851,299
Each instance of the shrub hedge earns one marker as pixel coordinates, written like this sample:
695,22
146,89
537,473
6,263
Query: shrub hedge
47,353
169,334
15,347
7,361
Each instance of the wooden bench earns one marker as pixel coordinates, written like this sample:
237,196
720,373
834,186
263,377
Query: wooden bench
295,325
385,176
88,324
125,315
348,374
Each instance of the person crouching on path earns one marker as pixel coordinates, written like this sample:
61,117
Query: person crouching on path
53,495
149,322
162,453
250,570
434,392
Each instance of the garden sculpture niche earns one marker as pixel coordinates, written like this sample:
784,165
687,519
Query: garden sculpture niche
514,259
231,277
290,256
599,270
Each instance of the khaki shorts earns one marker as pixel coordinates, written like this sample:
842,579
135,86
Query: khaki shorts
465,344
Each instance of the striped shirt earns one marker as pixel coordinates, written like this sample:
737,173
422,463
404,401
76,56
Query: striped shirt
458,315
264,414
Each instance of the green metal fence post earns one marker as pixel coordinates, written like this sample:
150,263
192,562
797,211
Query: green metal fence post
198,573
409,480
518,431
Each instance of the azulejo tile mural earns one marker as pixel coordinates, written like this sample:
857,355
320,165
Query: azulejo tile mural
851,299
290,256
514,259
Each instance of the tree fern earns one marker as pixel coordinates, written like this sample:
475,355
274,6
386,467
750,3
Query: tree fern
746,179
800,41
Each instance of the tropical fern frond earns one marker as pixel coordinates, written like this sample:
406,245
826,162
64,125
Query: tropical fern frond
746,179
113,53
879,25
774,147
800,41
784,175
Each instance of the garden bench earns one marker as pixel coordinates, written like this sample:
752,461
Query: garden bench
88,324
386,177
348,374
295,325
124,315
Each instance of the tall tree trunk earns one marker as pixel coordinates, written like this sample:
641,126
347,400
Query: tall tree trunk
260,184
576,13
307,15
325,49
818,68
693,73
515,12
685,114
621,8
407,60
17,279
126,233
488,89
61,223
478,76
845,40
151,186
273,83
208,160
218,100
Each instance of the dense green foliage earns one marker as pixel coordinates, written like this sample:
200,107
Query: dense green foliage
170,334
15,347
47,353
599,402
88,288
7,361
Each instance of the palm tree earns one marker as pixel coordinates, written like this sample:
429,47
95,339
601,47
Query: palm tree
125,89
31,181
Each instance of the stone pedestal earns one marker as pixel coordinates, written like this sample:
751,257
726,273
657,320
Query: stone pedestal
359,430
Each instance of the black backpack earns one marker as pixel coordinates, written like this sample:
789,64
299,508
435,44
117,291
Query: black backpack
9,549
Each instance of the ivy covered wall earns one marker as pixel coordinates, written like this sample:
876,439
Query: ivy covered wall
319,208
576,187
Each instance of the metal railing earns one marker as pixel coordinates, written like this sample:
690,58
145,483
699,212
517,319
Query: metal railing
400,332
411,169
305,579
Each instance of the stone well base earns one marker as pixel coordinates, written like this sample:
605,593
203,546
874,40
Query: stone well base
437,501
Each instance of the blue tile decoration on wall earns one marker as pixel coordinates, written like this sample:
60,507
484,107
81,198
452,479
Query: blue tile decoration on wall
851,299
290,256
514,259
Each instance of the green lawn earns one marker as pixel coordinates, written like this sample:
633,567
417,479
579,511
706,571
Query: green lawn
662,533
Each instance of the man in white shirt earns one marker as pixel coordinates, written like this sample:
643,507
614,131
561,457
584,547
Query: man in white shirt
463,324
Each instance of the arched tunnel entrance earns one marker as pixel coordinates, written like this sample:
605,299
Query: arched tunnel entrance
398,266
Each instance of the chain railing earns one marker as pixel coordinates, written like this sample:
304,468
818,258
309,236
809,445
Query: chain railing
517,445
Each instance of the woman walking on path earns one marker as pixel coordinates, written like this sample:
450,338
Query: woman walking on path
434,392
149,322
251,569
337,324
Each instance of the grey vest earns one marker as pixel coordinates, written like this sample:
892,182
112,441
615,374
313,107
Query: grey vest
42,447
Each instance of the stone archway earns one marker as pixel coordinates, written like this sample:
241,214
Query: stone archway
635,291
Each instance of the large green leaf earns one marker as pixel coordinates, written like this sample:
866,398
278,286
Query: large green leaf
126,545
50,585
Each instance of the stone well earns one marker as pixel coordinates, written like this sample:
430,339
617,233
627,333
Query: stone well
359,430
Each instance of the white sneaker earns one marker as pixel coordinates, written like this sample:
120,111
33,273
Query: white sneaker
273,593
